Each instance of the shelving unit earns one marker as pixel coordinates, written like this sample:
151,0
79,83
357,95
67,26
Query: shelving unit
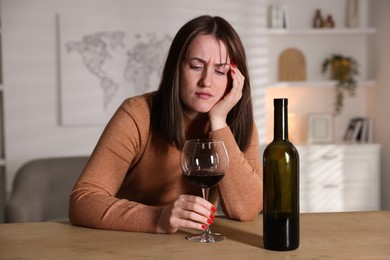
320,32
324,83
317,44
335,176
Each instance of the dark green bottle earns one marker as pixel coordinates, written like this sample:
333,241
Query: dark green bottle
281,186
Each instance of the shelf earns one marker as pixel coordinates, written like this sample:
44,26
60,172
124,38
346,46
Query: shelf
325,83
320,32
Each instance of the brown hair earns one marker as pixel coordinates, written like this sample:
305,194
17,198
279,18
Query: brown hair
167,111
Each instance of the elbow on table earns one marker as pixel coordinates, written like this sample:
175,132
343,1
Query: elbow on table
74,212
77,212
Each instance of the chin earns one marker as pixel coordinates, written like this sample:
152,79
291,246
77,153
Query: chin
203,111
206,108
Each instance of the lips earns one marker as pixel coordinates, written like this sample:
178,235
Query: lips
203,95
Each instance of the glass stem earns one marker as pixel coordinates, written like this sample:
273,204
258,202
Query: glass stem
206,232
205,193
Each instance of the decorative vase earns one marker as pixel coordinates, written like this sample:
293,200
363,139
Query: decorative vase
341,69
318,21
352,13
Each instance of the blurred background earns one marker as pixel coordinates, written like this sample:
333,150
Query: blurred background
67,65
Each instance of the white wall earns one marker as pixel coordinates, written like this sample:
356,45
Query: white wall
381,94
31,89
30,71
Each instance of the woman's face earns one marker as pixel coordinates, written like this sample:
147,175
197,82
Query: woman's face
203,75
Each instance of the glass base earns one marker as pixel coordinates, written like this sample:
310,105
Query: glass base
206,238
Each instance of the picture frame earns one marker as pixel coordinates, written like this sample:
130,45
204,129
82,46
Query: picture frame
320,128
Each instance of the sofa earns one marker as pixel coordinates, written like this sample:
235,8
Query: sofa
41,189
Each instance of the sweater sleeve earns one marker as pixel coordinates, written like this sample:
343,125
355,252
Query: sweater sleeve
241,190
92,201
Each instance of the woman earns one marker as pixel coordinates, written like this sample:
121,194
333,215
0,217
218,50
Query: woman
133,180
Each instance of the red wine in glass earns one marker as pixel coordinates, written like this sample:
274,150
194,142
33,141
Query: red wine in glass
204,179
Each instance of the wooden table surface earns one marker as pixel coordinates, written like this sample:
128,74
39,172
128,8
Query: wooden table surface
352,235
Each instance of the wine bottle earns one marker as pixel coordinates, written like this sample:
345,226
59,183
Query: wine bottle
281,186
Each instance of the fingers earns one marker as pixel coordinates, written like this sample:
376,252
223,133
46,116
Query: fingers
187,211
192,212
195,203
194,208
237,82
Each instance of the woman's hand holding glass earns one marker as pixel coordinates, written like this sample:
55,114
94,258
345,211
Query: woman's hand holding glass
187,211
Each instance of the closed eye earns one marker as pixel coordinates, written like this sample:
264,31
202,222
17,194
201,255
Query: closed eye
220,72
196,67
221,69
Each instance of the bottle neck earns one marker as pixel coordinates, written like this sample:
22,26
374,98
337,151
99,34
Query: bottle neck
280,119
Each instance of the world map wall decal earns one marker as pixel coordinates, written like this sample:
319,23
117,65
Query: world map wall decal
103,61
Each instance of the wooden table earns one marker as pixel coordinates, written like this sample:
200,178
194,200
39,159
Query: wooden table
358,235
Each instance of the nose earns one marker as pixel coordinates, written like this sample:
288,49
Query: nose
207,78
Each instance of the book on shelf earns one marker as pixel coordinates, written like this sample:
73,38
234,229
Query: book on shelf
360,129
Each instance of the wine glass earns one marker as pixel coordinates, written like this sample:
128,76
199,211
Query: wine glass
204,162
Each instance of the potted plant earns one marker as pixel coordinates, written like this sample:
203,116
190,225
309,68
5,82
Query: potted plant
344,70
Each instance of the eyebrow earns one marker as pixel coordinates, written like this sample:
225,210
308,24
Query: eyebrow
216,64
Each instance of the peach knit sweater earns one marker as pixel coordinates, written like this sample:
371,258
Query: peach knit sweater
132,173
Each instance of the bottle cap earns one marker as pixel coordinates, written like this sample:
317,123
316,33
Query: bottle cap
281,101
